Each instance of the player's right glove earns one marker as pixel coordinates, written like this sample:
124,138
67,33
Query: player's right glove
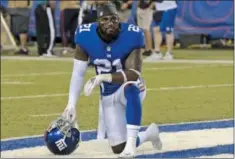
70,113
96,81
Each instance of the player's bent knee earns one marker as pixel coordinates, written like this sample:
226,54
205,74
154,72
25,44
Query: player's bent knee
118,148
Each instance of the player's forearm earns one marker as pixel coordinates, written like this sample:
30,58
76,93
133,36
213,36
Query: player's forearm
125,76
76,83
133,65
120,77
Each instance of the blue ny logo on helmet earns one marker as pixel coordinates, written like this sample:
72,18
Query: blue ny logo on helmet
62,138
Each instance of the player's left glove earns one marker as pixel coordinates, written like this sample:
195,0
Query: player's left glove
96,81
70,113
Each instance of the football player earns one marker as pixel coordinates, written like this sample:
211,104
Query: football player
114,48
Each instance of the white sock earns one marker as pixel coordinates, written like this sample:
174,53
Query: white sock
132,133
132,130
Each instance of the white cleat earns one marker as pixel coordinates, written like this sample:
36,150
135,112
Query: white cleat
65,51
130,149
153,136
168,56
154,57
47,55
127,154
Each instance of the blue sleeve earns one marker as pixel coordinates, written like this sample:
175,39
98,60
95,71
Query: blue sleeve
77,37
140,40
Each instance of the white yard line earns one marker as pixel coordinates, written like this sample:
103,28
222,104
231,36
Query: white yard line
91,71
186,67
15,83
195,61
150,89
71,59
34,96
35,74
45,115
37,58
192,87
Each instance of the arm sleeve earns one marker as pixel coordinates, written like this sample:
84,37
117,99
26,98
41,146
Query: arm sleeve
140,40
76,83
76,36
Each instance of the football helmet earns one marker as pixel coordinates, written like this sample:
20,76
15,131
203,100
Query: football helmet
62,137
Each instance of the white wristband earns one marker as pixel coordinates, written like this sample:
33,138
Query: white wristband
106,77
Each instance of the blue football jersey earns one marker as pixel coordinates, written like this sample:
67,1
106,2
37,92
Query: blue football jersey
109,57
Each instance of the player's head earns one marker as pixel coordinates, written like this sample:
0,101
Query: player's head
61,138
108,19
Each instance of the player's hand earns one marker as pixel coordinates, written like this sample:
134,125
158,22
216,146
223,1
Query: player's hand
91,84
96,81
70,113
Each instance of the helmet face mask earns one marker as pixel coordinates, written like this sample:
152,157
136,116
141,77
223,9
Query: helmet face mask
62,138
64,126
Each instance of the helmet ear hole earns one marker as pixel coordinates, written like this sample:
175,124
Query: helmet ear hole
62,138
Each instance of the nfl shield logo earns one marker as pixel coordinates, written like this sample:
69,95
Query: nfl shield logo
108,48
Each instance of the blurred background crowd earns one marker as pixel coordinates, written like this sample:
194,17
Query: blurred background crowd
45,24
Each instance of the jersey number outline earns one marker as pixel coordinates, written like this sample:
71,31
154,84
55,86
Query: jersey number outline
105,66
85,27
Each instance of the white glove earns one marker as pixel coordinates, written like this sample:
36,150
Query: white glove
70,113
96,81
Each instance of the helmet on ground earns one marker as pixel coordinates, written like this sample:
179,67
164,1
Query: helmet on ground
62,137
